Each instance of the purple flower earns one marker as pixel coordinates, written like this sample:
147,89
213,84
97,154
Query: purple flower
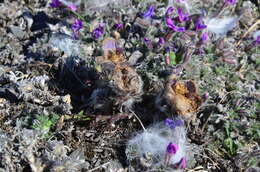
182,164
181,1
182,17
169,11
199,25
230,2
170,24
204,37
173,123
119,26
168,122
77,25
172,148
148,42
258,39
161,41
72,7
149,13
98,32
205,95
55,3
179,122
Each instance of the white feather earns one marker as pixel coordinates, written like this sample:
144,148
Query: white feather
220,26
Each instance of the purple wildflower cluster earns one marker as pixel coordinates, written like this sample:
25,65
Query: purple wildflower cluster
76,27
169,21
149,13
182,17
171,150
58,3
173,123
199,25
98,32
230,2
78,24
161,41
55,3
119,26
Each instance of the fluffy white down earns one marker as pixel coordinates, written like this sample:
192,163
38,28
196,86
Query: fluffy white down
220,26
256,34
65,43
155,141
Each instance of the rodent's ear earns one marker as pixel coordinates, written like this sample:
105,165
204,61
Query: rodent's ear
191,86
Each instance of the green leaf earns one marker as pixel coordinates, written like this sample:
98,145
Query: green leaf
173,59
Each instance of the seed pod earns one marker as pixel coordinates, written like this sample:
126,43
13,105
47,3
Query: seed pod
230,60
182,96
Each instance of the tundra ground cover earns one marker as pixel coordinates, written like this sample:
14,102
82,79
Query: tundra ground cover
129,85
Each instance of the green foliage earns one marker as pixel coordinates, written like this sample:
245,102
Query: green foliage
253,132
175,58
229,143
44,123
82,116
172,58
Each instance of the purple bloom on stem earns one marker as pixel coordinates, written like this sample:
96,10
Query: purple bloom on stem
182,164
205,96
77,25
72,7
170,24
173,123
204,37
147,40
182,17
257,39
230,2
161,41
98,32
169,11
199,25
55,3
172,148
119,26
149,13
168,122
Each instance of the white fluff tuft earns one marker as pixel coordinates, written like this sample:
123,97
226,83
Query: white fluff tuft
65,43
220,26
155,141
256,34
67,3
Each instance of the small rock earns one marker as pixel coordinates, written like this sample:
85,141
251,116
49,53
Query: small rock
17,31
134,57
